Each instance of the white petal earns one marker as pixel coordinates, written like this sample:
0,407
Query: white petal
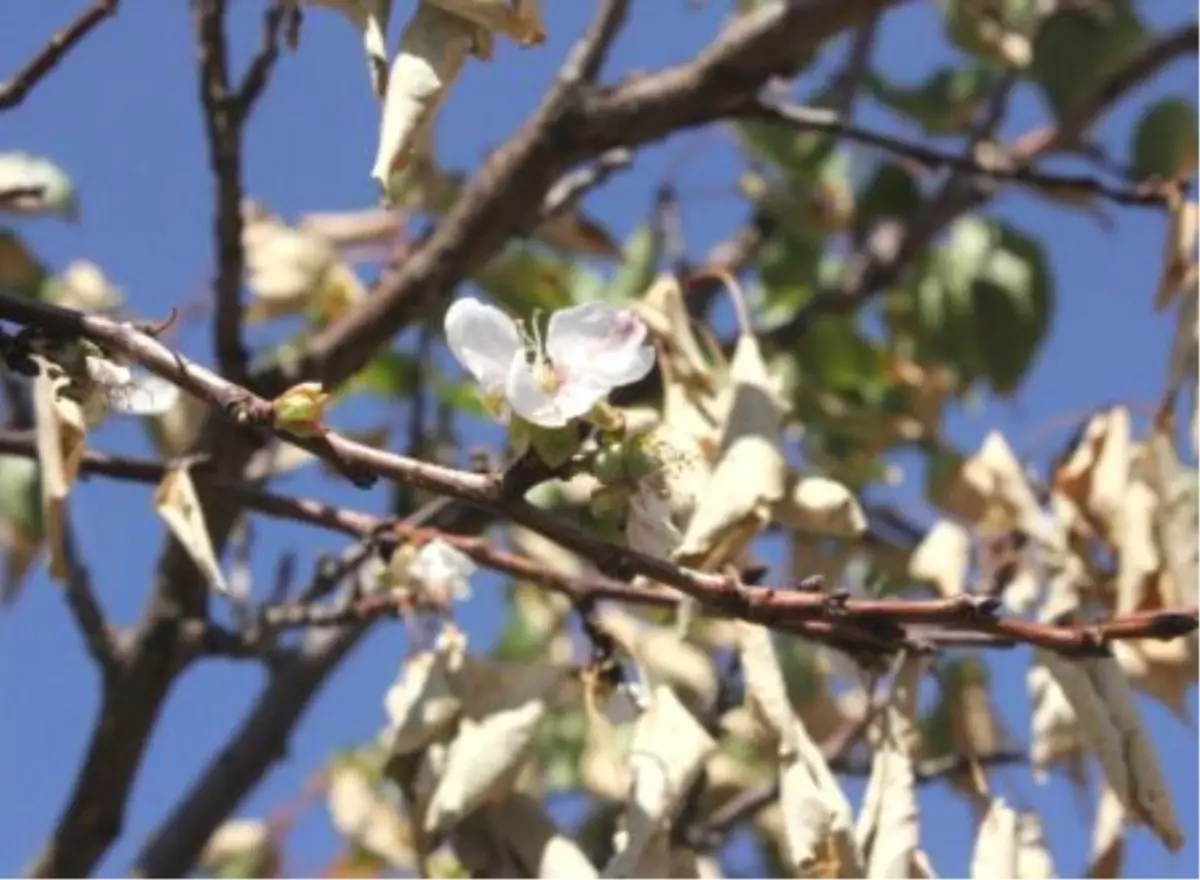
576,397
528,399
106,372
143,396
600,342
484,340
440,567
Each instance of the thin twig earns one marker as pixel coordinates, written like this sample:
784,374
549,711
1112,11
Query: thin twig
16,89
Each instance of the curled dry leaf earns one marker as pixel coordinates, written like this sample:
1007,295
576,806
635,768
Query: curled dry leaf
244,842
1179,251
943,558
524,838
422,705
370,17
505,704
1055,732
1096,476
668,751
823,506
1034,861
360,814
433,50
995,854
177,504
1108,836
663,658
649,527
61,437
1101,697
519,19
84,287
816,815
888,831
750,475
32,185
1176,517
992,485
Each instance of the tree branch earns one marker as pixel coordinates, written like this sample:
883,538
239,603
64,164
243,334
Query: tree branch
225,114
16,89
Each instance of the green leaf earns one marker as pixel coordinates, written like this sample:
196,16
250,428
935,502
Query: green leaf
463,396
797,156
1012,309
20,494
1074,53
391,375
946,102
891,192
639,266
835,356
553,445
979,28
523,278
1165,143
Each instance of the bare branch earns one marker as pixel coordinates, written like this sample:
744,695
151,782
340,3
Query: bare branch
16,89
225,114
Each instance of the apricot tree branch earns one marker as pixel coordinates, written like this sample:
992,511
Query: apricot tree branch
16,89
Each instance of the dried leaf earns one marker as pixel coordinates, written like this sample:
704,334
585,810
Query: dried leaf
1178,531
1034,861
83,286
822,506
1179,251
1102,699
61,437
176,502
765,686
1096,476
422,705
1108,836
943,558
433,50
32,185
519,19
505,704
533,843
242,842
359,813
996,846
1055,733
750,476
888,831
667,753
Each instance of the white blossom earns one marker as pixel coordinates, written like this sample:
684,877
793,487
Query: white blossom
128,393
589,350
441,570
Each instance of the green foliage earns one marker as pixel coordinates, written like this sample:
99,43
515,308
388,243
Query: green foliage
1073,53
1164,143
946,102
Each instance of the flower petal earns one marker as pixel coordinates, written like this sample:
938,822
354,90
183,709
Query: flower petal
527,398
484,340
603,344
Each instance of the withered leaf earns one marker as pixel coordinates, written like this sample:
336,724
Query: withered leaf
177,504
61,437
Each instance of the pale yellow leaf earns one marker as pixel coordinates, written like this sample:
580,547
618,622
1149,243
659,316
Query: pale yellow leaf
1179,250
235,839
1101,697
1178,532
1055,732
668,751
1108,836
943,558
822,506
433,50
177,504
359,813
84,287
1138,561
888,830
1034,861
750,475
649,527
519,19
422,705
61,438
765,686
995,854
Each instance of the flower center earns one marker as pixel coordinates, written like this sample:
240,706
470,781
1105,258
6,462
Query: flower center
546,377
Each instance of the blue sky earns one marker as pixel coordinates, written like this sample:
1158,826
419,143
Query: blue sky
121,116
